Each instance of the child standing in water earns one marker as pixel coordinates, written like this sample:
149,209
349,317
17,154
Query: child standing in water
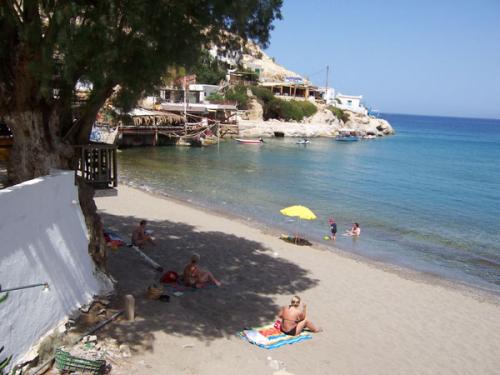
333,227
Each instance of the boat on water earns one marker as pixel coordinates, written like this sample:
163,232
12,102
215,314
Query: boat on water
347,135
346,138
250,141
303,142
369,137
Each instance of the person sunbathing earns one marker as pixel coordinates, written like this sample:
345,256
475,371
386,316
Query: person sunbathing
294,319
196,277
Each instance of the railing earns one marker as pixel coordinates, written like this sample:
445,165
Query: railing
96,165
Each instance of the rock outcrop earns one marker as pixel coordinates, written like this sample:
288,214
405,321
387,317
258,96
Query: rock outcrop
322,124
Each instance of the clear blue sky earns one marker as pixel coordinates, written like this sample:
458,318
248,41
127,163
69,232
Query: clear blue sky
439,57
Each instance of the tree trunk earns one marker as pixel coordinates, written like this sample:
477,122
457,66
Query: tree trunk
38,148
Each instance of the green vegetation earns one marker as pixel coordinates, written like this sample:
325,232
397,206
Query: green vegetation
340,114
208,69
282,109
263,95
239,95
236,94
215,97
289,110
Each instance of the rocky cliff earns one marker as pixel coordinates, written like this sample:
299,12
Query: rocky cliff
321,124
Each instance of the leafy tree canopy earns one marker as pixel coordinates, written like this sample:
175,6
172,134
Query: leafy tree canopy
47,46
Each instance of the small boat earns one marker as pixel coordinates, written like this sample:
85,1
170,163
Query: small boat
347,135
303,142
346,138
250,141
369,137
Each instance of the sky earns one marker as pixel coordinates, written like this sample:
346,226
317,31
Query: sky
439,57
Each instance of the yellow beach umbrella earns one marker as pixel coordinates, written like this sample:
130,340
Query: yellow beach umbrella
301,212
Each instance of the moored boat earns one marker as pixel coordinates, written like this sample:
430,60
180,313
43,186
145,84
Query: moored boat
249,141
346,138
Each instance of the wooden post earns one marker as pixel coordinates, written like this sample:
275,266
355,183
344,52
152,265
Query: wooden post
129,307
115,169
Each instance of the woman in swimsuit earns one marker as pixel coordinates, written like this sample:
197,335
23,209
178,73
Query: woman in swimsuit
294,319
195,277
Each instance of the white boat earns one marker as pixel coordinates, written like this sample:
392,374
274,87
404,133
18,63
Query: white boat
250,141
303,142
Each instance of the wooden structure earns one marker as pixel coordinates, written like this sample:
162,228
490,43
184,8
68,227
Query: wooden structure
293,90
96,165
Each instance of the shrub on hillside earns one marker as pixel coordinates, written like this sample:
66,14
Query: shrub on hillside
307,107
263,95
340,114
288,110
239,95
215,97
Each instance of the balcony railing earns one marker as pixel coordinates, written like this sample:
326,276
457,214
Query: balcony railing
96,165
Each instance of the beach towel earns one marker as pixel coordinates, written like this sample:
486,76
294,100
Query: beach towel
178,287
112,239
270,337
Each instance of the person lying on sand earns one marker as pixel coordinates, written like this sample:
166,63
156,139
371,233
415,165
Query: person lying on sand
140,237
194,276
294,319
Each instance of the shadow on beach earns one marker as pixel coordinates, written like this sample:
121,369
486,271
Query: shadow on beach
251,277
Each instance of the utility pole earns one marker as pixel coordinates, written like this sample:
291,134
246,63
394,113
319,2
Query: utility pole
185,105
326,84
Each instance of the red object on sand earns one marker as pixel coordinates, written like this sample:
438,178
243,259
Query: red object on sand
169,277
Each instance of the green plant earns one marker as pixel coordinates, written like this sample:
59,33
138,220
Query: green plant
215,97
288,110
340,114
4,362
263,95
307,107
239,95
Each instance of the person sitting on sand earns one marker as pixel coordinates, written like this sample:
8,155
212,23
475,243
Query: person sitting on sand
195,277
355,230
140,237
294,319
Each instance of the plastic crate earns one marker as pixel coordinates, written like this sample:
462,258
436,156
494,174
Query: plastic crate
65,361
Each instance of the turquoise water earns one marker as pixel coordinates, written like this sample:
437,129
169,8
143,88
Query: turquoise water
427,198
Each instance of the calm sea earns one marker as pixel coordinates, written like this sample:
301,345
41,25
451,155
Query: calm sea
427,198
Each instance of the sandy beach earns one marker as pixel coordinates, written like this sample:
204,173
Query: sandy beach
376,320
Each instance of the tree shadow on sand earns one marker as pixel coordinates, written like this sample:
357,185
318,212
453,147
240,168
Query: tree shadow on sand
251,276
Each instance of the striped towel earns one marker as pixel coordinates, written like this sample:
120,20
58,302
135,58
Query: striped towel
270,337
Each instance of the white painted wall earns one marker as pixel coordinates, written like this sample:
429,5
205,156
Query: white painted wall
43,239
351,103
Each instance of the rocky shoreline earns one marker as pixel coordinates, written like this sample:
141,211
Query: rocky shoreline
322,124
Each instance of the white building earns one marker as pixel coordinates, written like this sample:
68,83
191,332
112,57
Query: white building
350,103
328,95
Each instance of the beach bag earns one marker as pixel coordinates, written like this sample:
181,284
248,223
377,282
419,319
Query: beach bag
169,277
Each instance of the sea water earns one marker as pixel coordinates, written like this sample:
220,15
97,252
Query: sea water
427,198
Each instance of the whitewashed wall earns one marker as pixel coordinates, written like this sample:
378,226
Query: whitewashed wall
43,238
